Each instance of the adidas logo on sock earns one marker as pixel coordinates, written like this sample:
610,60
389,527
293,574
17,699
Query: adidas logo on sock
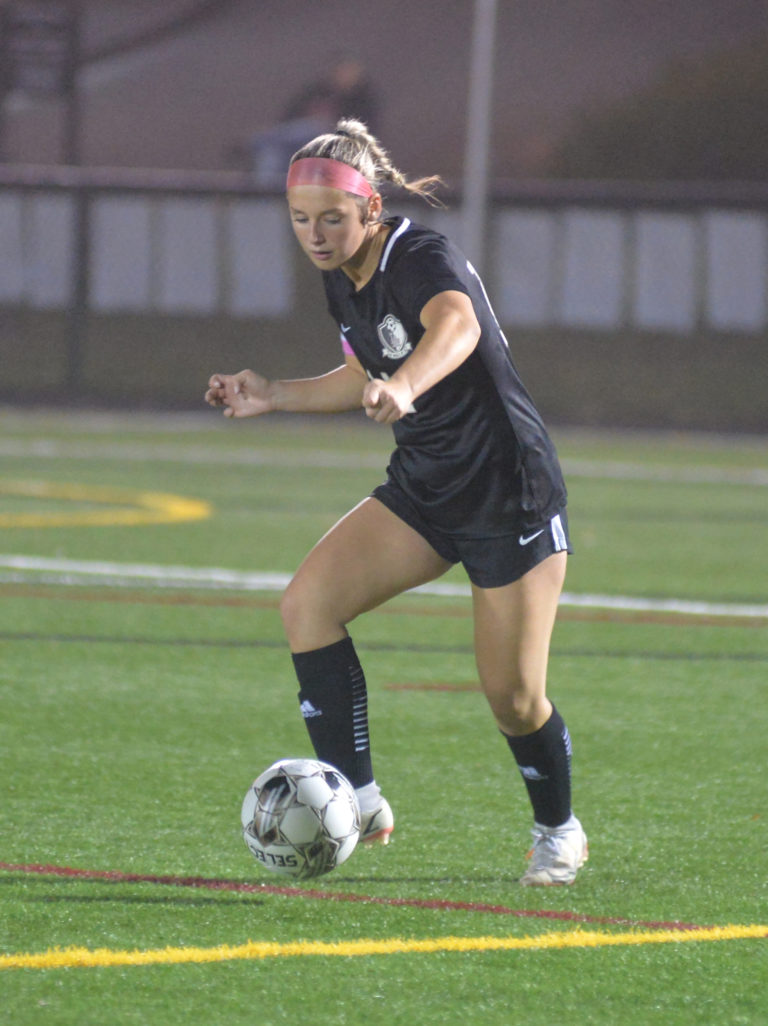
531,773
308,710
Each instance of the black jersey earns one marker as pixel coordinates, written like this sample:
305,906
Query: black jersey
473,454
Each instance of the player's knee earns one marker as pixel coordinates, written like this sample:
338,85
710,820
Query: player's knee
522,716
517,710
293,606
305,613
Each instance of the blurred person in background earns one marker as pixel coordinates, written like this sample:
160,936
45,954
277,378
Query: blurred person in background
344,91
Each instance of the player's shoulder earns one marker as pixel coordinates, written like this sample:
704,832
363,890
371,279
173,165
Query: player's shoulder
405,234
410,241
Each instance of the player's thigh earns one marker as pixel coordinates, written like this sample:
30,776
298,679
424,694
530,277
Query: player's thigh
513,628
369,556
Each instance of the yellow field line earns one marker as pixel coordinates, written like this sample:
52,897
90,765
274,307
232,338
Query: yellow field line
145,507
67,958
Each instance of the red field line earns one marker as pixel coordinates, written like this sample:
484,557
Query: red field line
239,886
463,610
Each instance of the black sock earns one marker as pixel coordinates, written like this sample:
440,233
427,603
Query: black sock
334,704
544,760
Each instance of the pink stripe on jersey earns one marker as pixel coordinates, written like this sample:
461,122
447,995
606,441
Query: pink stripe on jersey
348,350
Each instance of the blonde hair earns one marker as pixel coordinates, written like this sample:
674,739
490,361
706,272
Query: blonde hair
352,144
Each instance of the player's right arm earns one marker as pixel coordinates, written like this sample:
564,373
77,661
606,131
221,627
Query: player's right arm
249,395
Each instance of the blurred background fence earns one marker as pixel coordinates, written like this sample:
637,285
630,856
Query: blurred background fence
624,304
622,146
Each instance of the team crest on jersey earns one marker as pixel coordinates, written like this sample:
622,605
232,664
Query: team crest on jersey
393,338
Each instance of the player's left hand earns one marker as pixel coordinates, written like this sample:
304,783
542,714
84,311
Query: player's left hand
387,401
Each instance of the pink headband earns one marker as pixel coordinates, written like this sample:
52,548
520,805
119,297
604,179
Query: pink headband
334,174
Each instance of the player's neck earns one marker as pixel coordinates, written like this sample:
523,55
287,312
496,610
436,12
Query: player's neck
361,268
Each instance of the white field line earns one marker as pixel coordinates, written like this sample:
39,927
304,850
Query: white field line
36,569
132,452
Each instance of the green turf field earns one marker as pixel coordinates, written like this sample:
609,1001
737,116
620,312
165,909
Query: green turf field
145,683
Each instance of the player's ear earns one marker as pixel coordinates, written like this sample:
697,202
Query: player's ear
375,207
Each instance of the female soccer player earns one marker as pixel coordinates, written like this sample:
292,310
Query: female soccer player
474,479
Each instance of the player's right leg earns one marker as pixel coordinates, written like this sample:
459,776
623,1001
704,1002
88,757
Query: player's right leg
369,556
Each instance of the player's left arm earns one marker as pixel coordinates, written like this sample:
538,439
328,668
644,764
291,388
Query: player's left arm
451,332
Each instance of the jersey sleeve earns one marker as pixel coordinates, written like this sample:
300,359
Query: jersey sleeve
423,269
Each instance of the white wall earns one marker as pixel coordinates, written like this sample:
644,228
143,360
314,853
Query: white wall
599,269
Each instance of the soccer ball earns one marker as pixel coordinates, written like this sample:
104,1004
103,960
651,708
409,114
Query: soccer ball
301,818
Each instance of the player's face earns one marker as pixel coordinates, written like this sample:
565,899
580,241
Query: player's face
328,225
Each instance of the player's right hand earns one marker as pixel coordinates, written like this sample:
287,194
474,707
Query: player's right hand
241,395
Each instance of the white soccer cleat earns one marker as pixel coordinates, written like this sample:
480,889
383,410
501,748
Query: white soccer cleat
376,826
557,854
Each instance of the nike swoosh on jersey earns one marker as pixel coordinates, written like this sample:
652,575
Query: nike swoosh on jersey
526,541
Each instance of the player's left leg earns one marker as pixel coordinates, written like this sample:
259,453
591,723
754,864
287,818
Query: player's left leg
513,629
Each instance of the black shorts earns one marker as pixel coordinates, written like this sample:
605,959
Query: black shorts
489,562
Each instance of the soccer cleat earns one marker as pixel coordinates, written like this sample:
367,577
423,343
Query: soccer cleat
376,826
557,854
